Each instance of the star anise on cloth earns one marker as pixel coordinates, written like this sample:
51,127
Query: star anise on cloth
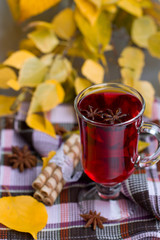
21,158
111,117
92,113
94,218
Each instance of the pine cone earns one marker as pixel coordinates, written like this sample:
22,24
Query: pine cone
22,158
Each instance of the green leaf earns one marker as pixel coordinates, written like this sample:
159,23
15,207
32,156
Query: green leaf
132,62
99,34
32,73
44,39
60,69
46,96
154,45
142,29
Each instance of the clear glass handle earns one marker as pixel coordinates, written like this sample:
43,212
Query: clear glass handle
153,129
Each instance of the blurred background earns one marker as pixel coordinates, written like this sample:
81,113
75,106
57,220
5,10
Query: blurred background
11,33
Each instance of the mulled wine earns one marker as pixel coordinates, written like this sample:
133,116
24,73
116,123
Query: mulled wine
109,135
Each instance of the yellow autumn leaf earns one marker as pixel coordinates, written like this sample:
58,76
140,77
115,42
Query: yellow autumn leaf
131,62
97,35
39,24
5,105
6,74
147,91
64,24
81,83
153,45
93,71
60,69
105,2
29,45
142,145
48,158
46,96
32,73
142,29
23,9
47,59
131,6
44,39
18,58
40,123
110,8
23,214
13,84
89,10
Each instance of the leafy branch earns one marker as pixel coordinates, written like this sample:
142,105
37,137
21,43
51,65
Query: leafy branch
44,65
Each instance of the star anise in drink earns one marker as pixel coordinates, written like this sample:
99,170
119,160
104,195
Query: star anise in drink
94,218
111,117
92,113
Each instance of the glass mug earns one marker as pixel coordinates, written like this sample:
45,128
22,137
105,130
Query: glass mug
110,121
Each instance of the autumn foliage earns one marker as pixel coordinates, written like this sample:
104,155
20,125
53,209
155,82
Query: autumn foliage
44,64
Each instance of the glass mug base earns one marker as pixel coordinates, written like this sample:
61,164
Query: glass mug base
100,192
108,192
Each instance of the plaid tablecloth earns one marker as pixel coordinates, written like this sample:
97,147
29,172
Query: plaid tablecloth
134,215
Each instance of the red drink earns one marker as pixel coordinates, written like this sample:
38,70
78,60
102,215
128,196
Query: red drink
109,135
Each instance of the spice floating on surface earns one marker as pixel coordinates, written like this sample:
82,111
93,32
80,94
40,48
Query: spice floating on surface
22,158
94,218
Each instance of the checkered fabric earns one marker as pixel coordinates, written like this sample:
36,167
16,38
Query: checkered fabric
134,215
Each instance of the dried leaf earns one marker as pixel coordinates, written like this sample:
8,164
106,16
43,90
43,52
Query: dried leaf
46,96
5,105
132,62
60,69
81,83
142,29
48,158
6,74
64,24
18,58
32,73
23,9
40,123
97,35
93,71
23,214
147,91
89,10
13,84
131,6
142,145
153,45
44,39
